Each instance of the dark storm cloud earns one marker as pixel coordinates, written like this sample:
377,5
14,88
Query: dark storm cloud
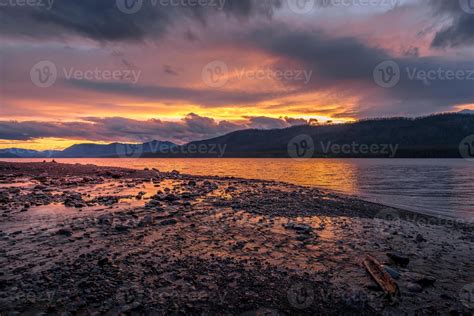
102,20
192,127
460,31
347,63
331,58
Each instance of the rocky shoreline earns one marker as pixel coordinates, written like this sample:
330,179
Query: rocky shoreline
96,240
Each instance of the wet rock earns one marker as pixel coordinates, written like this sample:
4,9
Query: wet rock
393,273
414,288
146,221
167,222
186,195
420,279
398,258
105,220
238,245
41,178
74,200
301,228
140,195
40,187
64,232
106,200
420,238
122,228
4,197
170,198
153,203
302,237
175,172
103,261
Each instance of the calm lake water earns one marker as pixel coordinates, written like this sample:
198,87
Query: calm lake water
442,187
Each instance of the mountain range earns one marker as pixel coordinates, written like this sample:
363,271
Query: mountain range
436,136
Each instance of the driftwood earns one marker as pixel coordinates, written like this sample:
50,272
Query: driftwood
383,279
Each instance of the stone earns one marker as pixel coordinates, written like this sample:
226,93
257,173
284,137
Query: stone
167,222
299,227
399,259
420,238
64,232
393,273
170,198
121,228
103,261
414,288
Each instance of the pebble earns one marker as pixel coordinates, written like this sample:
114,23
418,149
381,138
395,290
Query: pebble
399,259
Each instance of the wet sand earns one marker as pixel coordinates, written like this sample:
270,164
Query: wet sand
94,240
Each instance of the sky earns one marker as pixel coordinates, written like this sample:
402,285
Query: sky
75,71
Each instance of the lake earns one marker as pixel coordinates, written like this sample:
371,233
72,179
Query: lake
442,187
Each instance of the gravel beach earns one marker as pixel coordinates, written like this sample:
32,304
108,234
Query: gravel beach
83,239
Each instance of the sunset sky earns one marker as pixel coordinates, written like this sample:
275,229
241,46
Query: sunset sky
178,72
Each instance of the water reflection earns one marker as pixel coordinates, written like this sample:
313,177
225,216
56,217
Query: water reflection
434,186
